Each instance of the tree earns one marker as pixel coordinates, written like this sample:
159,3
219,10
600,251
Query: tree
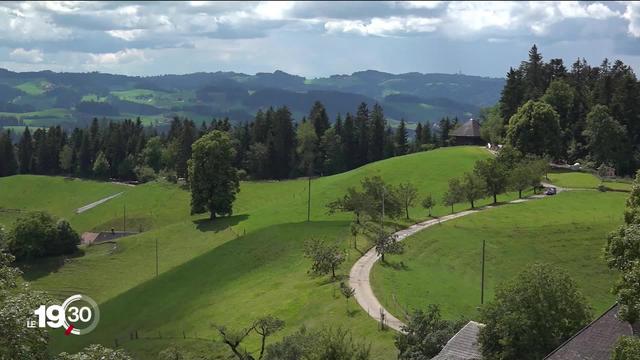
66,158
326,258
454,193
386,243
331,143
401,142
512,94
522,176
532,315
96,352
492,125
627,290
494,175
473,188
212,177
101,167
560,96
535,129
353,201
152,153
623,247
8,163
318,119
348,292
607,139
380,196
37,234
16,307
425,334
362,133
632,210
376,143
428,203
264,327
534,74
627,348
25,151
408,194
307,146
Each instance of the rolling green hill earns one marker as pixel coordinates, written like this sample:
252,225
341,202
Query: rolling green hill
227,272
47,98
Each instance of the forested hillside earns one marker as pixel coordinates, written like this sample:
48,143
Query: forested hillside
48,98
584,113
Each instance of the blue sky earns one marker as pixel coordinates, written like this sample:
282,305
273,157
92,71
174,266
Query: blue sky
311,38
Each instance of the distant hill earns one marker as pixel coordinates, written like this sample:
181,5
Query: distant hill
45,98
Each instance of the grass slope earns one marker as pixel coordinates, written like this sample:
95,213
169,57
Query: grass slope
212,272
442,265
581,180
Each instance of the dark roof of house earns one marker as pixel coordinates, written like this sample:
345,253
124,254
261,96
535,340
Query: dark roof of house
596,340
463,345
469,129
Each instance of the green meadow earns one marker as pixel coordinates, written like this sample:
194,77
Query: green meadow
442,265
229,271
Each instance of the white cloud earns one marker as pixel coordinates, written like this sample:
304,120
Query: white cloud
121,57
383,26
30,56
632,14
420,4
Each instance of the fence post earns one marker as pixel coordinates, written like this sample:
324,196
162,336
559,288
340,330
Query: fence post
115,341
136,334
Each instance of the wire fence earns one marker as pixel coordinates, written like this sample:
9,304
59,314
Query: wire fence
139,334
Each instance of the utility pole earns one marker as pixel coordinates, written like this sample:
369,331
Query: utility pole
382,218
482,281
309,201
156,257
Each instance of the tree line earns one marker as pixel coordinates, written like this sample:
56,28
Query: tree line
272,146
589,114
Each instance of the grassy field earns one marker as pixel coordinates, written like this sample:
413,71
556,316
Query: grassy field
157,98
227,272
442,265
33,87
580,180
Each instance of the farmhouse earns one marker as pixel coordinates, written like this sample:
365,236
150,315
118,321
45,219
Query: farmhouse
467,134
596,340
463,345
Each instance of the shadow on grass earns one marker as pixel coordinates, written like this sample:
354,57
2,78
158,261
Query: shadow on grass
394,265
37,268
219,224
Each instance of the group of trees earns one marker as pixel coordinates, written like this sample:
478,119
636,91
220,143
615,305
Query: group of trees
322,344
38,234
585,113
273,146
510,170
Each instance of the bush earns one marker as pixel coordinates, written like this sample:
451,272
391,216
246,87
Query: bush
38,234
602,188
145,173
169,175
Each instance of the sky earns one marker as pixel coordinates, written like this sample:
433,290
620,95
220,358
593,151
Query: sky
311,39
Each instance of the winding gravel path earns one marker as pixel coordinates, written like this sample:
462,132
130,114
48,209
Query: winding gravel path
359,276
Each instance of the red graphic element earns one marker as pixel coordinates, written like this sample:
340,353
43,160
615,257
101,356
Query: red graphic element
68,331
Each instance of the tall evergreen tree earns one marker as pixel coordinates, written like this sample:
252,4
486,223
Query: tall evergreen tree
281,143
362,129
25,151
8,163
513,94
376,142
349,142
319,119
534,74
401,139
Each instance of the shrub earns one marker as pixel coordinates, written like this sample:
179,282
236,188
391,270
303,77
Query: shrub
38,234
145,173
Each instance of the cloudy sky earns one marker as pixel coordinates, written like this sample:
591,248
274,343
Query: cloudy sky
311,38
